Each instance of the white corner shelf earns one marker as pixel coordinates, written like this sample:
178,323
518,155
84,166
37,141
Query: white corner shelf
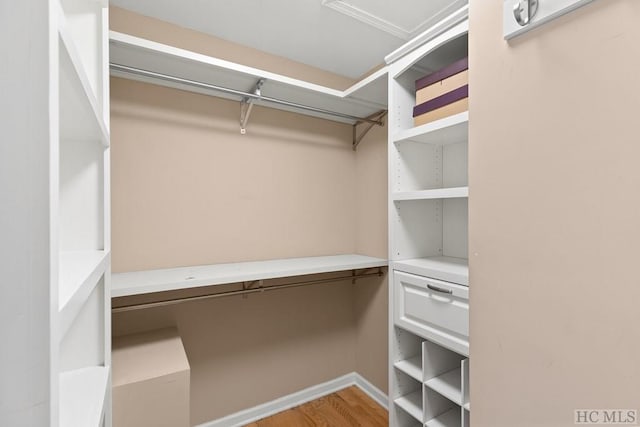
449,269
363,99
80,272
436,193
80,116
449,130
82,396
143,282
451,418
411,404
411,367
448,385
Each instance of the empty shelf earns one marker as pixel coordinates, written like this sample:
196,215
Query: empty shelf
82,394
80,272
448,385
451,418
412,404
449,130
142,282
437,193
366,97
411,367
449,269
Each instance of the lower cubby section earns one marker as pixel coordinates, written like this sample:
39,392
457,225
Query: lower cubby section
429,383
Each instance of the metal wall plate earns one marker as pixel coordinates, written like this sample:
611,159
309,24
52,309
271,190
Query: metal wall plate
533,13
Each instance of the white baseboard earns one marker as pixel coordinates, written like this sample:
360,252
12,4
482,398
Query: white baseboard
374,392
298,398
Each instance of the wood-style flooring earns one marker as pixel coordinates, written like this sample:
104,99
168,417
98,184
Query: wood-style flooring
349,407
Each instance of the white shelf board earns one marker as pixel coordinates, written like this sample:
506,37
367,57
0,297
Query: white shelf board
411,367
80,117
451,418
449,269
436,193
448,385
373,88
362,99
82,396
449,130
467,406
142,282
412,404
80,271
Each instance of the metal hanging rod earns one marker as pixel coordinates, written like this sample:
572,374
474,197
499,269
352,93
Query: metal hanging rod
244,291
245,95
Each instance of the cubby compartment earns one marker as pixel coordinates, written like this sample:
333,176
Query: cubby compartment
408,353
429,228
408,395
82,195
437,53
431,238
422,166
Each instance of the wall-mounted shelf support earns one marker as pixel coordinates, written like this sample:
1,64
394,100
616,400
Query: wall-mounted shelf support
250,285
374,119
246,105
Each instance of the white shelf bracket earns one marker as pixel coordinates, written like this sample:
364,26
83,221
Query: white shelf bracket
377,117
246,105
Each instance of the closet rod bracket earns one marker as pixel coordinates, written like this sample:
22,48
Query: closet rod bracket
246,105
374,119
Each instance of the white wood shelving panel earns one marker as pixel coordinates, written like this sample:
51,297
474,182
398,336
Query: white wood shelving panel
142,282
445,131
448,385
411,367
451,418
80,114
82,396
362,99
449,269
80,272
436,193
81,366
411,404
428,230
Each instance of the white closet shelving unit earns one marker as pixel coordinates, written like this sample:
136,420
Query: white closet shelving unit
80,233
363,99
428,216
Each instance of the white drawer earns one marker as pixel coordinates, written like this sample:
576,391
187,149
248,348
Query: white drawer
433,309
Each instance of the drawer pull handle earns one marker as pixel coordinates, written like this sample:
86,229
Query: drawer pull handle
437,289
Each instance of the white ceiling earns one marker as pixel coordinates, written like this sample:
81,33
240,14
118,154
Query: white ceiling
347,37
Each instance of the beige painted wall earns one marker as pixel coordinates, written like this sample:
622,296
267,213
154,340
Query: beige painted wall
188,189
371,296
129,22
554,215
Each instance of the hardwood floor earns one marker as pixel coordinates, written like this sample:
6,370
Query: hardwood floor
348,407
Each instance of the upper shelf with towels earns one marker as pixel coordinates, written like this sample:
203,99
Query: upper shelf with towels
179,68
